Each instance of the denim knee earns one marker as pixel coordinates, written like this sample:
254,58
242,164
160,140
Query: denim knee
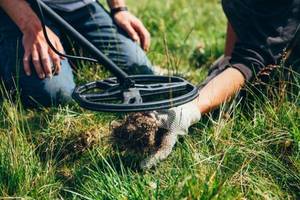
97,26
50,91
136,61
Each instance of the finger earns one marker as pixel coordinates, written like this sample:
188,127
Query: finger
60,48
131,32
56,62
57,59
37,63
45,60
143,34
26,62
148,163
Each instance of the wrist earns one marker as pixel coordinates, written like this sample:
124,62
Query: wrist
33,27
114,11
26,20
116,3
191,112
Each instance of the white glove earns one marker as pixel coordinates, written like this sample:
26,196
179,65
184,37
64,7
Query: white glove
178,120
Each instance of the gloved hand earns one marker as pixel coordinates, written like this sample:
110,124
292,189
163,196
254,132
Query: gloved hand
176,121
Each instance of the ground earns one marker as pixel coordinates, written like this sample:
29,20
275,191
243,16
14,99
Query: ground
242,152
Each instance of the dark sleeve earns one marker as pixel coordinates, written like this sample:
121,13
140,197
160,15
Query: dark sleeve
249,60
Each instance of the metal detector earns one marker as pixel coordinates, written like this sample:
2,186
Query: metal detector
123,93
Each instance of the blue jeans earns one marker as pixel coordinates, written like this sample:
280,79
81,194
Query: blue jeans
96,25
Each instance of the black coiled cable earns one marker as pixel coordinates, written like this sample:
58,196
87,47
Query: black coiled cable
42,18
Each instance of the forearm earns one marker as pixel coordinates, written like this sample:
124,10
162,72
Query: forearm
220,89
225,85
26,20
231,39
116,3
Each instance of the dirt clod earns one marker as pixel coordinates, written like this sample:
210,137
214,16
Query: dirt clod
138,132
86,140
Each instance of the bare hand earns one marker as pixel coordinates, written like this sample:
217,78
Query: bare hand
134,27
38,51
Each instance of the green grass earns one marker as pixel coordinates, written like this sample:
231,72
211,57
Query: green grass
250,150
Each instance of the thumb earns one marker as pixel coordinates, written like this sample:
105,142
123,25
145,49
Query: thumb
148,163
